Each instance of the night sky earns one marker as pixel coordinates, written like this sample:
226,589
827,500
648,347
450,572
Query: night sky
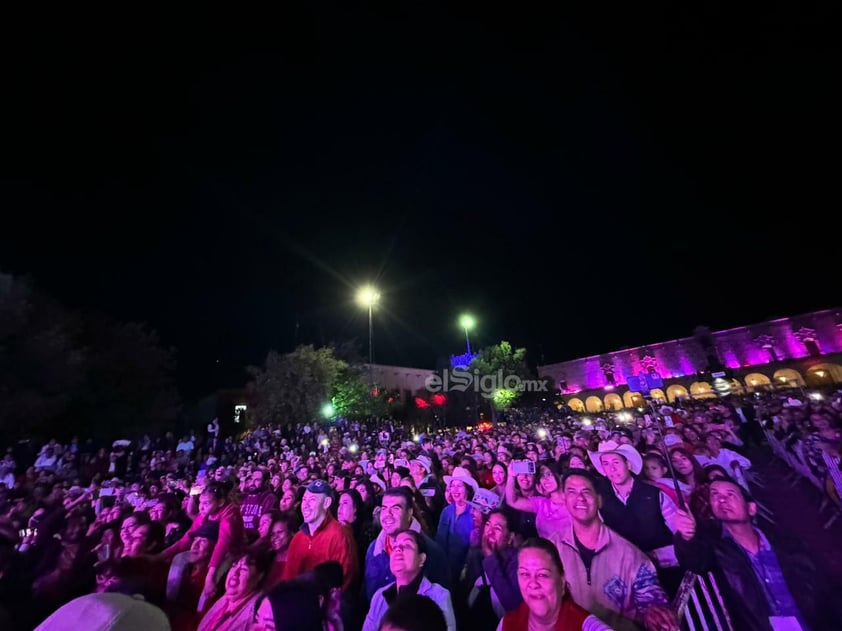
579,181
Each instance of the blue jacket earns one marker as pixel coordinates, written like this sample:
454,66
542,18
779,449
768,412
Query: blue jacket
378,574
454,536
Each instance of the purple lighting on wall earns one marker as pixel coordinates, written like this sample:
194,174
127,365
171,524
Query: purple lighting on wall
756,355
793,346
686,364
594,375
730,359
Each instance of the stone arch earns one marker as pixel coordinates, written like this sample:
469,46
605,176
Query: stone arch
676,390
757,380
657,394
576,405
787,377
633,399
593,404
824,374
702,390
613,401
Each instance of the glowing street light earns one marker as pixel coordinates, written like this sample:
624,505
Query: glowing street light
467,322
367,297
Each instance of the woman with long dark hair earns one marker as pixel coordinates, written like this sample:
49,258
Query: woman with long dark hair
351,512
687,469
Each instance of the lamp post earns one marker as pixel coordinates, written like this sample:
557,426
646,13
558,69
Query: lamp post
367,297
467,322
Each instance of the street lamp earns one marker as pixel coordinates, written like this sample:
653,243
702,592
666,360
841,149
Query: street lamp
467,322
367,297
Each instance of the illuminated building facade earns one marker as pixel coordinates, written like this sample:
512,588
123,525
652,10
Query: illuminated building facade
800,351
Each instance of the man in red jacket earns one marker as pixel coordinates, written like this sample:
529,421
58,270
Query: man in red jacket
321,538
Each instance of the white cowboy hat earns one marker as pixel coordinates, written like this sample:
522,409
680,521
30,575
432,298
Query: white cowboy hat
462,475
424,461
377,480
628,452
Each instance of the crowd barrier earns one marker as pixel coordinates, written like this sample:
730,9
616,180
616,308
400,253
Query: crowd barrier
700,606
830,488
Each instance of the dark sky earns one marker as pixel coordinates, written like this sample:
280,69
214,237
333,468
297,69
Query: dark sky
581,181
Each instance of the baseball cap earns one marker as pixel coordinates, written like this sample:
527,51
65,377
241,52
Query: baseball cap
319,486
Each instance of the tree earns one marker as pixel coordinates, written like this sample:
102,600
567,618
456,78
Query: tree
63,372
297,386
41,365
130,386
500,369
294,386
351,393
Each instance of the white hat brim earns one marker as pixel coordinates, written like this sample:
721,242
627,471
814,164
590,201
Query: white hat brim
459,478
426,468
628,452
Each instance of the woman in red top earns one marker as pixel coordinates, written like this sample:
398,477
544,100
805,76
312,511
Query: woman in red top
214,505
546,604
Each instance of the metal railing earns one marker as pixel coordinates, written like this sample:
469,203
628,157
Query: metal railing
699,604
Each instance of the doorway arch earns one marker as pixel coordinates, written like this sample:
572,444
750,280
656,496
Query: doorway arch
702,390
787,377
593,404
675,391
613,402
633,399
576,405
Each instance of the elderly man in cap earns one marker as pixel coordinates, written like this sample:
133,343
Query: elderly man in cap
321,538
639,512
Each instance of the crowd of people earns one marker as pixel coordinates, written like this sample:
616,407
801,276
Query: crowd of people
559,521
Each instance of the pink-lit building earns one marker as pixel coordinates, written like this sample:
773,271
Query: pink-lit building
800,351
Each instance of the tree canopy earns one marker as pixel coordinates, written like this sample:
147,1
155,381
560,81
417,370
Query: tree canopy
301,385
63,372
501,368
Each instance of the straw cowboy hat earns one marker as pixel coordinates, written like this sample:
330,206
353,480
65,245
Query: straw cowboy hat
628,452
462,475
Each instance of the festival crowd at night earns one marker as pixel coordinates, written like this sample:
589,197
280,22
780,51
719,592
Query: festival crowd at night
549,521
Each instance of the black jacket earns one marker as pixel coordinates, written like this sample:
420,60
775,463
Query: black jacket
744,596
